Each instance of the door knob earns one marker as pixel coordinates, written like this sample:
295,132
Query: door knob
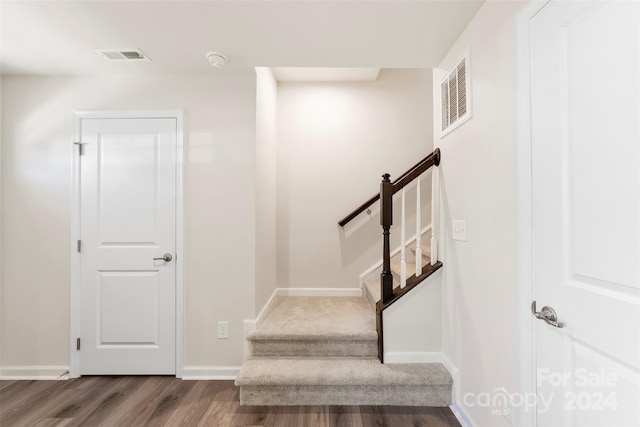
548,314
166,258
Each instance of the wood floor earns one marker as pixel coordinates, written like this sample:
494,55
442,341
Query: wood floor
167,401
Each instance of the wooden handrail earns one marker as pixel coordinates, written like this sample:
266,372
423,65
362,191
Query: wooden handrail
344,221
432,159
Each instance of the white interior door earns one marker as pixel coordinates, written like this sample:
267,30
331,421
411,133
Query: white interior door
585,96
128,218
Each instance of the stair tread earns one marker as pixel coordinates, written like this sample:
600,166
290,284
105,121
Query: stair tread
426,249
411,267
318,318
339,371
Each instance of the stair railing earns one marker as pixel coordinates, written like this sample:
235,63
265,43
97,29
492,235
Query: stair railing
389,295
387,190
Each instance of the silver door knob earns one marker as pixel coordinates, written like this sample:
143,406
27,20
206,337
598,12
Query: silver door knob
166,258
548,314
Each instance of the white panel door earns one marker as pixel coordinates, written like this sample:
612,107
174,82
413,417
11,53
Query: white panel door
585,95
128,208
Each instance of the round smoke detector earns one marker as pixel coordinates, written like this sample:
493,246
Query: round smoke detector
216,59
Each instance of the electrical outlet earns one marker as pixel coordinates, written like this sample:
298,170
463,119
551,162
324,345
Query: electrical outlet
459,229
223,330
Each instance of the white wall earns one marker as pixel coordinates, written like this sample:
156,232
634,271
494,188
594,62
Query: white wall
479,179
266,159
220,131
335,140
1,315
413,325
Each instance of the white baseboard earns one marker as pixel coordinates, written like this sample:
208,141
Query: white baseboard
34,372
319,292
61,372
266,309
458,407
455,374
248,326
210,372
461,415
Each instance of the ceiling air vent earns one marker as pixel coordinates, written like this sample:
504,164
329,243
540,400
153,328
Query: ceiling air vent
129,54
455,96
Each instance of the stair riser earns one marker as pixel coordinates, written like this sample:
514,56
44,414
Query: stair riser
371,299
433,395
314,348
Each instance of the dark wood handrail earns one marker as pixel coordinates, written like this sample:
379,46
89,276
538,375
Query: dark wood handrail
416,170
344,221
432,159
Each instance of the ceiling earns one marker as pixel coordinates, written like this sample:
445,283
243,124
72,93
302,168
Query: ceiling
324,74
59,37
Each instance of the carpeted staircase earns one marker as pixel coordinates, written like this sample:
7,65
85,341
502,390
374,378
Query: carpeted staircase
323,351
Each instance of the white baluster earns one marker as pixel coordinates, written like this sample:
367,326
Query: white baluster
418,231
403,261
435,211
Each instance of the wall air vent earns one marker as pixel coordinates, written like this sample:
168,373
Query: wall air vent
128,54
455,96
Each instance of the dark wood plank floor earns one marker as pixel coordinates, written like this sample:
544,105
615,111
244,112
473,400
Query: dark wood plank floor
167,401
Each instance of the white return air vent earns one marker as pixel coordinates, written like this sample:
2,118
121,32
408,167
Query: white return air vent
455,96
128,54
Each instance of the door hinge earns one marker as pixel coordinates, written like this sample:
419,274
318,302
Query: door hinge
80,148
78,344
79,246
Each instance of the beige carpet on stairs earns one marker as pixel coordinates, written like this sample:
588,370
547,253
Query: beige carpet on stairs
317,326
323,351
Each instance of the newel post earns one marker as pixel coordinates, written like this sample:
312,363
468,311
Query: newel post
435,208
386,220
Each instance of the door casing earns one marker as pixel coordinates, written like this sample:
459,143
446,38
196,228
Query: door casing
74,312
526,344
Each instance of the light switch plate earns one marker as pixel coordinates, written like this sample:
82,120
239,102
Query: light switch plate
459,229
223,330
